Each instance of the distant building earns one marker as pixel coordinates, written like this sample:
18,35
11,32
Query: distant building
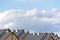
6,34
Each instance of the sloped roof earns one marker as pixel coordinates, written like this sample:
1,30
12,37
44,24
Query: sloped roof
44,36
50,35
19,33
34,37
5,36
25,36
3,31
41,36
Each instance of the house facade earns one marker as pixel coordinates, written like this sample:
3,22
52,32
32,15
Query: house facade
12,36
6,34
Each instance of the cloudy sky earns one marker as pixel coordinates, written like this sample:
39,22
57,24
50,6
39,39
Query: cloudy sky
32,15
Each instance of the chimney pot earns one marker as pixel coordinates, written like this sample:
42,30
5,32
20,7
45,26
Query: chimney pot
39,33
35,33
14,30
27,31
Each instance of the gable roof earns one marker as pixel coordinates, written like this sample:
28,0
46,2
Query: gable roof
35,37
25,36
5,35
3,31
18,33
50,35
41,36
44,36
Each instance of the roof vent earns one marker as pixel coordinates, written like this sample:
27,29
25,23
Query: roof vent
11,30
16,30
35,33
39,33
27,31
46,33
6,31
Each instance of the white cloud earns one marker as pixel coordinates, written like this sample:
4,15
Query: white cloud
9,25
31,12
49,20
54,10
29,19
14,15
34,18
43,11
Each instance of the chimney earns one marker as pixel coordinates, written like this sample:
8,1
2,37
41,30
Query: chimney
39,33
51,33
23,30
35,33
27,31
20,30
14,30
46,33
7,30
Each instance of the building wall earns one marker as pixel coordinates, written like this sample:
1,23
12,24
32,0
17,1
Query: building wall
11,37
56,38
50,38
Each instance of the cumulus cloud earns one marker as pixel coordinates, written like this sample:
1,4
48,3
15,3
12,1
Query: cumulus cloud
31,12
43,11
34,19
54,10
49,20
9,25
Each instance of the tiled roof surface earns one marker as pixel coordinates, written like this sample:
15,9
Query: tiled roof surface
34,37
19,33
26,36
5,35
3,31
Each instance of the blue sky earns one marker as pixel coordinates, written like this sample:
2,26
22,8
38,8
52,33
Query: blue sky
40,4
32,15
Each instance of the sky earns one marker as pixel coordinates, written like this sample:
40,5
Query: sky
31,15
